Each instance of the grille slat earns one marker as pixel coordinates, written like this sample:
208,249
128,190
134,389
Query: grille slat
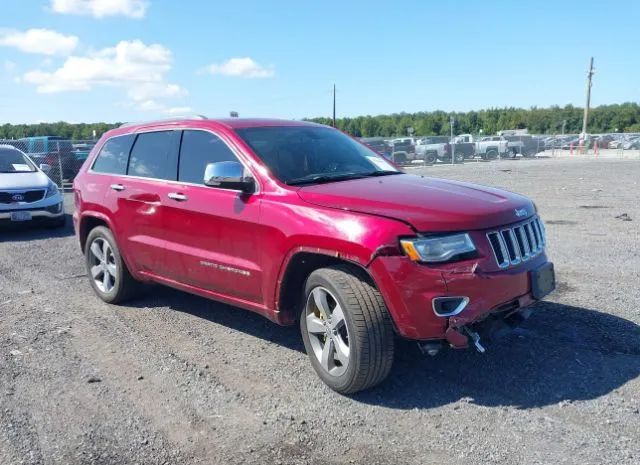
517,244
7,197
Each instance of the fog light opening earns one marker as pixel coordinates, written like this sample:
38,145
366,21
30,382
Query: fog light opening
449,306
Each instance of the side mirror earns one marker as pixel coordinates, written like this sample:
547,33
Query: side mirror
45,168
228,175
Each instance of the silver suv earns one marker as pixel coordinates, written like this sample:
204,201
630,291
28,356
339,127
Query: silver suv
26,192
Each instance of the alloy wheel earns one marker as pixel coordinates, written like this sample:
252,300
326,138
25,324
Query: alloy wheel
102,263
327,330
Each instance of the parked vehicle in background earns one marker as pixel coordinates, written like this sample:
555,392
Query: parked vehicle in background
604,140
378,144
433,148
525,145
576,142
615,144
487,148
631,144
81,151
26,192
55,151
402,150
299,222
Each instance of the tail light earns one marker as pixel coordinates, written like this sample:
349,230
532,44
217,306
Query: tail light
446,148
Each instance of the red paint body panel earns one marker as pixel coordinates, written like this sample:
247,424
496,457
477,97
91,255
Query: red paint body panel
428,204
236,247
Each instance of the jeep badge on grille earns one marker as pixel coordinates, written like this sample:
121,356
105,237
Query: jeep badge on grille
520,212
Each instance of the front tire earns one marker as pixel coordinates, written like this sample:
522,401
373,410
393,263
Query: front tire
108,274
346,329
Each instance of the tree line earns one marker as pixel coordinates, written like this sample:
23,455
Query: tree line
80,131
606,118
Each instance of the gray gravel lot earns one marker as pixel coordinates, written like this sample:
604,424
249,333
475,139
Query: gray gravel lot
175,379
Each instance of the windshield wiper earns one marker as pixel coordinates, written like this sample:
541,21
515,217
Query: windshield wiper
322,178
382,173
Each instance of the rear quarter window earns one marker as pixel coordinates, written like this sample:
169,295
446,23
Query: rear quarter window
114,155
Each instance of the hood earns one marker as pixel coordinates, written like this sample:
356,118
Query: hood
428,204
17,181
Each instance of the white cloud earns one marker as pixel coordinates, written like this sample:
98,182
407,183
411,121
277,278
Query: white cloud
155,90
101,8
153,106
130,65
150,105
138,69
242,67
173,111
41,41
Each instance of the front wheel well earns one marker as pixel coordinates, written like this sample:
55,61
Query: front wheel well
298,270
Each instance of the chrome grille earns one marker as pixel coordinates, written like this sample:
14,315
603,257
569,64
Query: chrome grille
519,243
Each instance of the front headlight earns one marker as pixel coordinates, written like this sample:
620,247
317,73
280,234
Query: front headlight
52,189
437,249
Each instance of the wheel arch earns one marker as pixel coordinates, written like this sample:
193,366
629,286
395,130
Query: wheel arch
295,271
88,222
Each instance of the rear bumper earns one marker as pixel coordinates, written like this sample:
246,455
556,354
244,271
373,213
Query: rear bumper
409,290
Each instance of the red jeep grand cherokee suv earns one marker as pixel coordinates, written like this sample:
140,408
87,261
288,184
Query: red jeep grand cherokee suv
299,222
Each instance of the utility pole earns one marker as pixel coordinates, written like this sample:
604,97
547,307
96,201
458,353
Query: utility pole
586,107
452,121
334,105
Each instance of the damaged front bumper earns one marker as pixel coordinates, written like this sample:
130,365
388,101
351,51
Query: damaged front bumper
493,301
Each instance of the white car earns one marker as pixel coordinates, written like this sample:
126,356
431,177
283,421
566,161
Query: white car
26,192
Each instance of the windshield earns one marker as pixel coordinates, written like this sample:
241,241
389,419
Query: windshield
14,161
307,154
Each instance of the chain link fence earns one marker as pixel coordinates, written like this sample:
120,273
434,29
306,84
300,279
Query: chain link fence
430,150
60,158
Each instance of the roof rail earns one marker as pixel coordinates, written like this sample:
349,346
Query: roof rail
166,120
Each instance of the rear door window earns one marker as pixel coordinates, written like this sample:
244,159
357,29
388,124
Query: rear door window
114,155
154,155
198,149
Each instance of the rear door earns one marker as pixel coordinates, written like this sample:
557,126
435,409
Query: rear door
213,235
136,199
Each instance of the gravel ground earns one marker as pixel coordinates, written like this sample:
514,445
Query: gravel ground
175,379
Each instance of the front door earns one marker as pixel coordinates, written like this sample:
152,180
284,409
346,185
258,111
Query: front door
212,235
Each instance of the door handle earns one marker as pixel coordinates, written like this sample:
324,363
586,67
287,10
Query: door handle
177,196
117,187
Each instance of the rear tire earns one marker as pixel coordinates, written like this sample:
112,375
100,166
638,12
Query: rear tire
492,154
399,158
430,158
346,329
108,274
459,157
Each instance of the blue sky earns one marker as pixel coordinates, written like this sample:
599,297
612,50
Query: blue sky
121,60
